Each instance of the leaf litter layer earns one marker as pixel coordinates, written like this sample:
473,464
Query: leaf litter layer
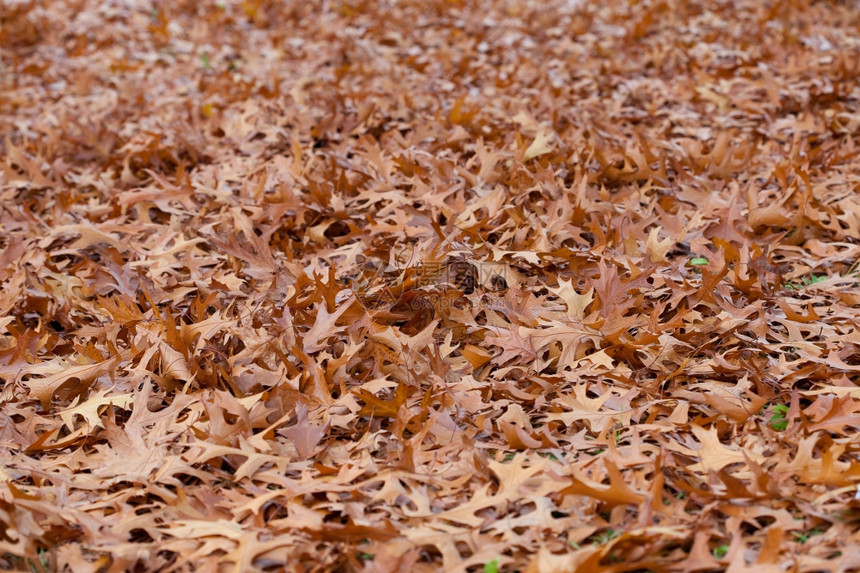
472,286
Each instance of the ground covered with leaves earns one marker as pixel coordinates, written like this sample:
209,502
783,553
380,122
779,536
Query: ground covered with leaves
429,285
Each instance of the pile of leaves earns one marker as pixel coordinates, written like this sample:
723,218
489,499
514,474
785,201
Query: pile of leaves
502,285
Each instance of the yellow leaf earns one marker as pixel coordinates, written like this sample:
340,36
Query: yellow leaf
540,145
44,388
476,355
89,409
576,303
656,247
